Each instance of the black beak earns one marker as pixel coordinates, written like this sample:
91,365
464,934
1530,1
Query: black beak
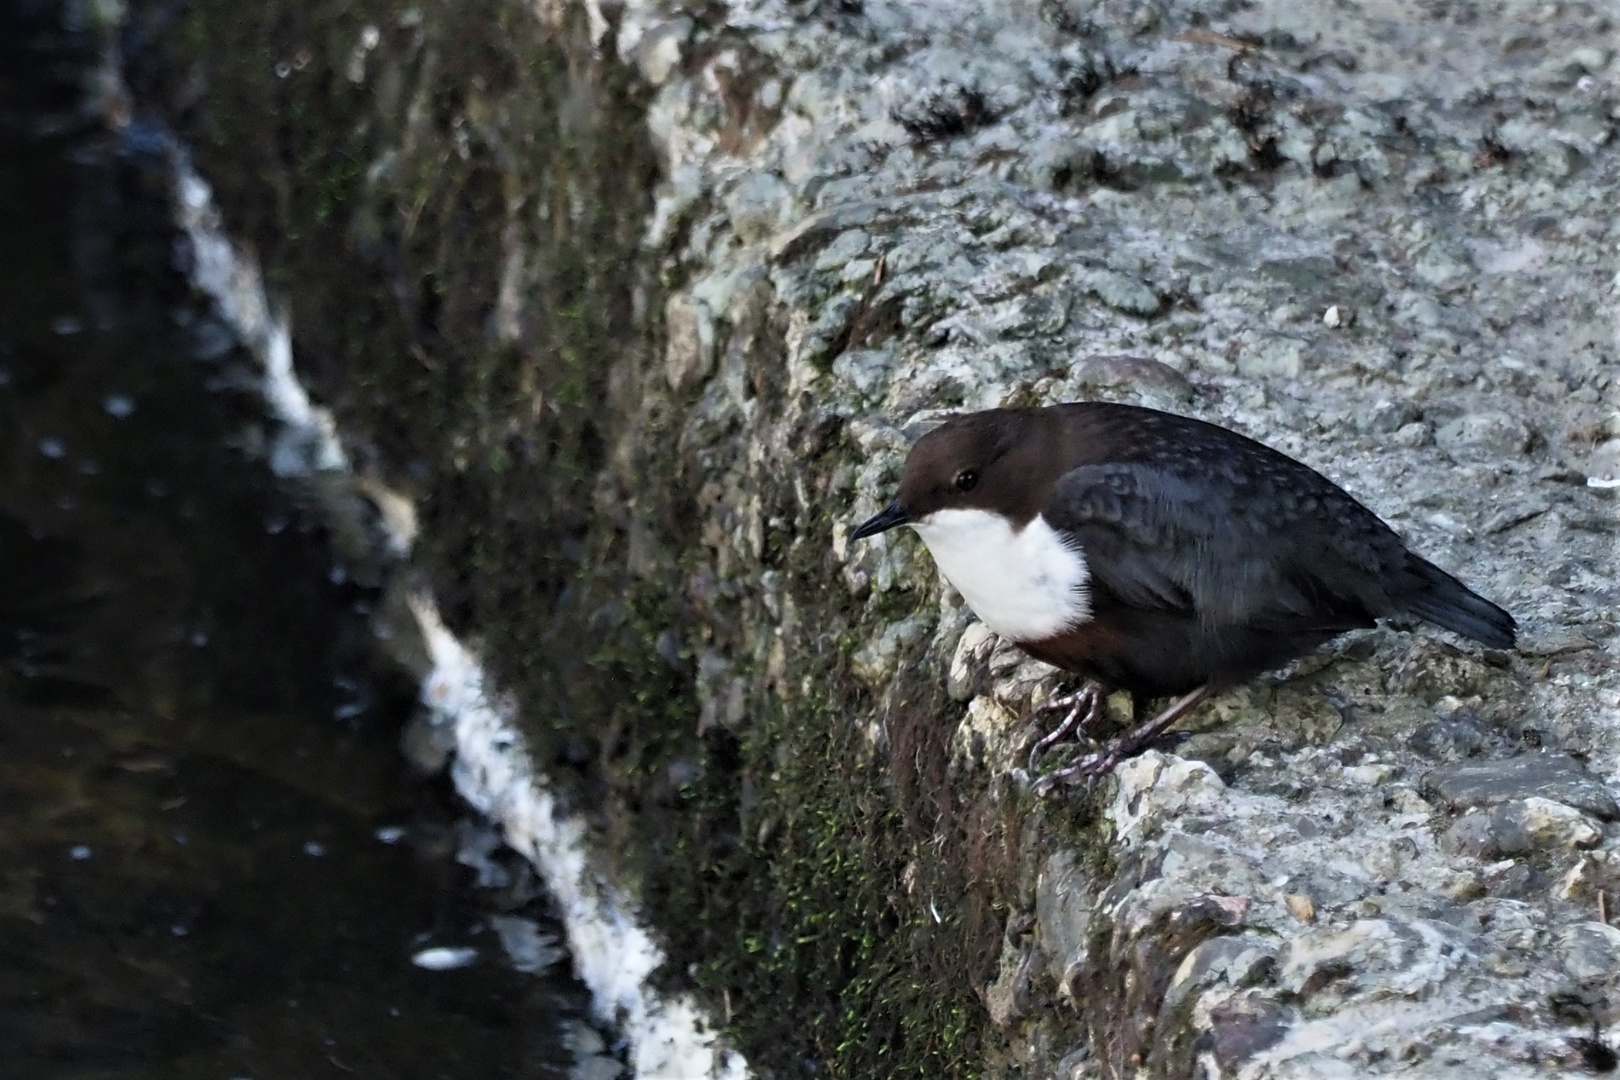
892,515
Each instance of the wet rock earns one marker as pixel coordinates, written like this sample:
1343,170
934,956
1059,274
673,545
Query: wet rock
689,343
1130,372
759,205
1546,775
599,1067
1473,835
1273,358
969,670
1526,825
877,661
444,958
1008,998
1388,417
658,52
1590,950
1123,292
987,737
528,948
1244,1027
1484,432
1603,467
1064,901
1155,788
1337,317
1452,738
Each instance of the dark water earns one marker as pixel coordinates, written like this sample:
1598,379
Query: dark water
197,749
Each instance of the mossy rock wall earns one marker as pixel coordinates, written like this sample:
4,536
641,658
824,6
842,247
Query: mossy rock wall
641,304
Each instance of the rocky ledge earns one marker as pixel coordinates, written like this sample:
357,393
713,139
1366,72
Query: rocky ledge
642,303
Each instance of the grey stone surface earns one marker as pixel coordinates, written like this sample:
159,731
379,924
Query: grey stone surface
1547,775
1379,237
1473,834
1524,826
1451,738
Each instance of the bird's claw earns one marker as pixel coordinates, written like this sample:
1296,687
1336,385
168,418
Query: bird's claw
1085,707
1067,701
1083,773
1098,764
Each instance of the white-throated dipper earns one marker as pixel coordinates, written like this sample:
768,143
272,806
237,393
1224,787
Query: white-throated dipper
1157,554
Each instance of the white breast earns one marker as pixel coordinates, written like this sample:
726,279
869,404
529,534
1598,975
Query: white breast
1025,585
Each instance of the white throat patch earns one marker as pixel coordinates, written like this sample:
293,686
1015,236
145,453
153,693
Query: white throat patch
1025,585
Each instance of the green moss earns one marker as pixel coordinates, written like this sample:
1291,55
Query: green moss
827,910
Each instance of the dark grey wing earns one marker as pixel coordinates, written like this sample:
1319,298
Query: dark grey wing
1225,550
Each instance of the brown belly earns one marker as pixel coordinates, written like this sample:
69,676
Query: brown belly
1091,649
1157,654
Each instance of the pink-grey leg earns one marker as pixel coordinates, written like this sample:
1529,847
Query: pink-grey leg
1127,746
1086,707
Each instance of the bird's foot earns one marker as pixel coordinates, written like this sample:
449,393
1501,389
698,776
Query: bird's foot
1082,773
1085,707
1089,768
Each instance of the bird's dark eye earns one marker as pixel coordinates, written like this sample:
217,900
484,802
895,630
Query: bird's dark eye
967,480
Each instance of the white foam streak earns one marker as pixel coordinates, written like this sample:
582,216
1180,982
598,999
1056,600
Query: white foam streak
613,954
493,770
309,442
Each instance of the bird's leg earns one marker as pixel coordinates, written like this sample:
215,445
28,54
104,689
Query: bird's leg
1127,746
1085,707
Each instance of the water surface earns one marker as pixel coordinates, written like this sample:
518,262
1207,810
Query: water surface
213,860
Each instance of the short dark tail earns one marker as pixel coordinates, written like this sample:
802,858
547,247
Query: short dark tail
1445,601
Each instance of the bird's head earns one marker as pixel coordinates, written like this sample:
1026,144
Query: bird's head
967,463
